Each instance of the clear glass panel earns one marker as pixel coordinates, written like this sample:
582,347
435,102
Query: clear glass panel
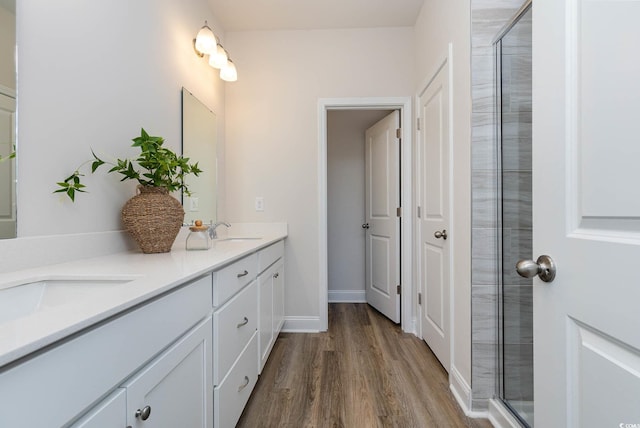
514,106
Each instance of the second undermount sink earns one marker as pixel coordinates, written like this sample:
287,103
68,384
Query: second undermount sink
239,239
32,296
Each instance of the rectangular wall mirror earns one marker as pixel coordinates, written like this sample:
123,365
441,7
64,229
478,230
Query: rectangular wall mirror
8,213
199,143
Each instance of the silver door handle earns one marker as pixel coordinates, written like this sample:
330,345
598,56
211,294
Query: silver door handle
442,234
544,267
365,226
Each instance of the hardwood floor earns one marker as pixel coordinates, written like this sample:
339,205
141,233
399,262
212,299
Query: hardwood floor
364,372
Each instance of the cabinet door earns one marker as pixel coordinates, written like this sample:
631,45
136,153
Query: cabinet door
110,412
278,298
175,389
265,326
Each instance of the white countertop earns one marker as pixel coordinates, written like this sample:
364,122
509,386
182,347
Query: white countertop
153,274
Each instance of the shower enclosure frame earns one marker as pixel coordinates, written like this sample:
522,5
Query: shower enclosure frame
497,44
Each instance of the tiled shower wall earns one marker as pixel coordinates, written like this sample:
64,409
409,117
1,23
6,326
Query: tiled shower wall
516,212
487,19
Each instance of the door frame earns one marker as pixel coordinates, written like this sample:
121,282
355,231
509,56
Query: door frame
404,105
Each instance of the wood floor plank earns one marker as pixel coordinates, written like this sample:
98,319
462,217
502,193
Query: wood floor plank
363,372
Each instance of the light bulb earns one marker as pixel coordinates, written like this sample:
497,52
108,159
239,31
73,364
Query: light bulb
218,58
205,40
229,73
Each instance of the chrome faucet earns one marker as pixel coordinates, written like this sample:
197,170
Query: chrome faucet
212,229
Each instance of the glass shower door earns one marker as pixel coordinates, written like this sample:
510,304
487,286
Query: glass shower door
513,66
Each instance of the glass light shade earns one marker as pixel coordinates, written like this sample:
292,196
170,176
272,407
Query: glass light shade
229,73
218,58
205,40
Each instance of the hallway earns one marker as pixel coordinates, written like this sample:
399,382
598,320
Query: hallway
364,372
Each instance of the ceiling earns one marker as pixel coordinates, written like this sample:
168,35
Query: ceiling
244,15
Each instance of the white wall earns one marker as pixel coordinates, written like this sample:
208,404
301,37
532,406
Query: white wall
272,128
441,22
91,74
345,200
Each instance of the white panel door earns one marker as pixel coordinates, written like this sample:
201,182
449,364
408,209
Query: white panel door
434,258
382,198
586,212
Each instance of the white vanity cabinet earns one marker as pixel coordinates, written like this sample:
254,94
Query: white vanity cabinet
156,355
241,308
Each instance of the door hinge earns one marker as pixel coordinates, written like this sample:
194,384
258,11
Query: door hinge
398,289
399,211
419,212
398,133
418,123
419,298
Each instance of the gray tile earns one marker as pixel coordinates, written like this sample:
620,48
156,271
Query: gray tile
483,141
518,372
483,370
517,200
480,404
516,125
518,314
517,245
483,84
516,154
484,316
484,196
483,257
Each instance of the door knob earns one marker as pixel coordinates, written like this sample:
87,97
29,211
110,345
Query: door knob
365,226
442,234
544,267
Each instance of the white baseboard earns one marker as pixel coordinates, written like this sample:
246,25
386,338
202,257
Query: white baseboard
462,392
347,296
301,325
500,417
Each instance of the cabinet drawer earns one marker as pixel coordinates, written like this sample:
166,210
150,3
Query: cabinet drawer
230,397
269,255
230,279
233,326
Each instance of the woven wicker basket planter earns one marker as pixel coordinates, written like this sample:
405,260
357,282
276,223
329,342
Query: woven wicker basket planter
153,218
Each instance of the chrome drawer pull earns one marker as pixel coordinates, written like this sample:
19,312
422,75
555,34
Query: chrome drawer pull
245,273
246,382
244,322
144,413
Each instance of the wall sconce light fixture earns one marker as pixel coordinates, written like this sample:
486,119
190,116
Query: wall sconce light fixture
207,43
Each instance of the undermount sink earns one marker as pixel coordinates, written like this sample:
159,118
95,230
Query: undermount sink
31,296
238,239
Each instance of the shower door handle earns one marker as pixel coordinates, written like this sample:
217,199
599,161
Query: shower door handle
544,267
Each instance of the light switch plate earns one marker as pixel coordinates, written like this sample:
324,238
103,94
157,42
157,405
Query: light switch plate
259,203
194,204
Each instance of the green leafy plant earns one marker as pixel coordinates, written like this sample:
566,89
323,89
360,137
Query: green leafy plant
156,166
11,155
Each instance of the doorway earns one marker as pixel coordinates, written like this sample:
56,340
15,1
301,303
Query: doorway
403,105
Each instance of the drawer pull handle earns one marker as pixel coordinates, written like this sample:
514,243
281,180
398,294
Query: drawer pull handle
144,413
244,385
245,273
245,321
276,275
